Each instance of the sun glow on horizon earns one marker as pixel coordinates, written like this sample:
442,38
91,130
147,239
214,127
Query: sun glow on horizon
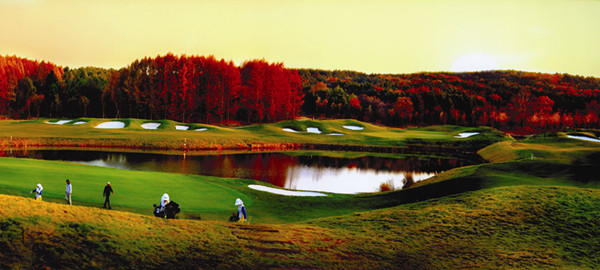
378,36
475,62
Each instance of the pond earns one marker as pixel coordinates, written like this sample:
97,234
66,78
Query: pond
292,170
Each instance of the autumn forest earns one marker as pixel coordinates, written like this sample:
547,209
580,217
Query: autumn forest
208,90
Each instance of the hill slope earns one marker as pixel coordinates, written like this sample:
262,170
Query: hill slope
518,212
494,228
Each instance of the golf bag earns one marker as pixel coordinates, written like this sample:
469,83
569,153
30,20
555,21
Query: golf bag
234,217
171,209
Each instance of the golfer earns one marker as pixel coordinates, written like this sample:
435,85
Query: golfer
107,191
164,200
68,192
241,210
38,192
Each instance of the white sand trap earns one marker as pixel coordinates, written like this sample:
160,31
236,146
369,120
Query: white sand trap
353,127
583,138
201,129
152,125
289,130
313,130
466,135
111,124
178,127
336,134
61,122
79,122
287,192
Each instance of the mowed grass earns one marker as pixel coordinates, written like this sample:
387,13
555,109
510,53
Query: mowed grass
215,137
134,191
537,227
515,212
550,147
557,161
495,228
200,197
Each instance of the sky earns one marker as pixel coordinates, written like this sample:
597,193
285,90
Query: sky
374,36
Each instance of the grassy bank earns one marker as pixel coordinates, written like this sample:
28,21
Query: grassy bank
495,228
514,212
21,134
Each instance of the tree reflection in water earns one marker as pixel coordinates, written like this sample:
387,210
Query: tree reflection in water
302,172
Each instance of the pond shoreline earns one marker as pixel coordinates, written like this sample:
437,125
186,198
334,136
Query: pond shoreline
467,152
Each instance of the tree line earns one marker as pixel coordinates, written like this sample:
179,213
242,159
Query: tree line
182,88
26,86
508,100
204,89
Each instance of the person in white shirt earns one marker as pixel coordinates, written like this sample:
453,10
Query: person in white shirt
68,192
164,200
38,192
241,210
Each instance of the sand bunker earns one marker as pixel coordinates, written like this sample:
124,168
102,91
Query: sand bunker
111,124
79,122
353,127
289,130
466,135
200,129
61,122
336,134
150,125
583,138
313,130
286,192
178,127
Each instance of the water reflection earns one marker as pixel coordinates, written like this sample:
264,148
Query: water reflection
301,172
346,180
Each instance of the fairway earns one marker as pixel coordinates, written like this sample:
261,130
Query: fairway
134,190
516,211
81,132
200,197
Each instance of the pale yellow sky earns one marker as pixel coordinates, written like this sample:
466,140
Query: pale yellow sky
369,36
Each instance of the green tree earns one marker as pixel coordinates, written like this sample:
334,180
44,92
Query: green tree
26,92
338,101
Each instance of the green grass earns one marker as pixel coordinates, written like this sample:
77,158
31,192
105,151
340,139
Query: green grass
514,212
135,191
550,147
496,228
499,228
212,198
167,137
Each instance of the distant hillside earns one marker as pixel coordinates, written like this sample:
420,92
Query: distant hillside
508,100
204,89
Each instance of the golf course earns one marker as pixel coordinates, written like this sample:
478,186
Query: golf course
299,135
532,203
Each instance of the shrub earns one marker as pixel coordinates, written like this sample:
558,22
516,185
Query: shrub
408,180
387,186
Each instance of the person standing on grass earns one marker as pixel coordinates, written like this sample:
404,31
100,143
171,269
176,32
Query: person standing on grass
68,192
107,191
38,192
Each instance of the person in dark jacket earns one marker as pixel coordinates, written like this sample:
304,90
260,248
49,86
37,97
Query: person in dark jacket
171,209
107,192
